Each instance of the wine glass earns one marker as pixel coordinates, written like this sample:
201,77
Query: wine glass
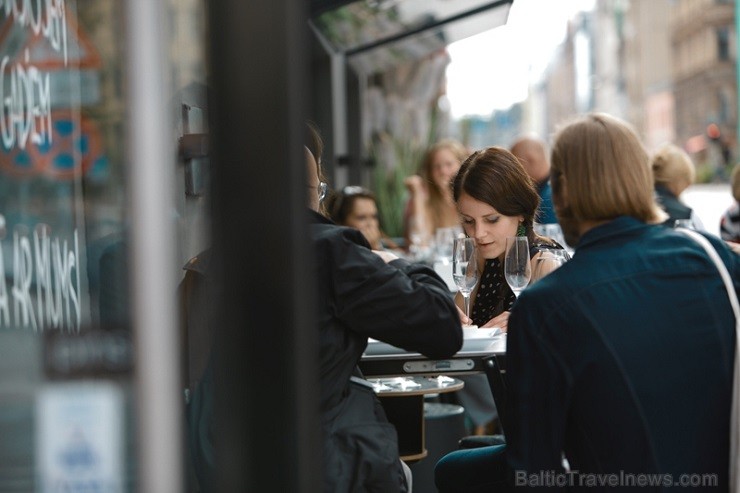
517,267
465,268
421,241
444,242
548,261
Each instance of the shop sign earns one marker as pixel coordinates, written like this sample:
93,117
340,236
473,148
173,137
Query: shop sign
80,445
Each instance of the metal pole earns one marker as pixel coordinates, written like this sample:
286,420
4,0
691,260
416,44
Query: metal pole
151,179
737,79
266,407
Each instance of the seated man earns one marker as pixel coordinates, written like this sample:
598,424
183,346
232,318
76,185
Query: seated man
367,293
621,361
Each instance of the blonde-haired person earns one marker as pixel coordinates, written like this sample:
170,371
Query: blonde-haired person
430,205
611,355
729,225
674,172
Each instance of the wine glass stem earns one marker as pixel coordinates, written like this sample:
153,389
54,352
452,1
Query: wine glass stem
466,301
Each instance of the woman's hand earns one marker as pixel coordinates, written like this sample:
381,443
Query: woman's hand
501,321
464,319
414,184
371,232
386,256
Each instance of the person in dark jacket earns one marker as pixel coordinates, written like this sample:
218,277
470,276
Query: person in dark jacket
729,225
674,172
621,360
364,293
531,152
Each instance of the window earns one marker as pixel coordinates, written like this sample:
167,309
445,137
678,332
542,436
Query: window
723,43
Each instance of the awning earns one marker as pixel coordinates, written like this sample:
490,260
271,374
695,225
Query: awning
375,35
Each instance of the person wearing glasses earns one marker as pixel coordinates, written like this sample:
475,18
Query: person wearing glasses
364,293
356,207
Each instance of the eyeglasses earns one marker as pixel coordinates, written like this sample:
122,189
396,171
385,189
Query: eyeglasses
321,190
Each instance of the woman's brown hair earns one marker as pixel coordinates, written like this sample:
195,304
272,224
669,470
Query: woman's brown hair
495,176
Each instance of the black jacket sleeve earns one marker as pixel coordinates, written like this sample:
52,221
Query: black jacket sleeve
406,305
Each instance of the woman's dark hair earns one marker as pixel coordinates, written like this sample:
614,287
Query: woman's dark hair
339,205
495,176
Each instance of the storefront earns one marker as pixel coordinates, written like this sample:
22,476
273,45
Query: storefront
106,161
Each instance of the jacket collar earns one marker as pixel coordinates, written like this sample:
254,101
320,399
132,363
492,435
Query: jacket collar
316,218
616,227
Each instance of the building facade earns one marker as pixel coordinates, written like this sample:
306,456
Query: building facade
705,86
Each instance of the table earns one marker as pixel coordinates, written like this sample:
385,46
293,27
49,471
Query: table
403,402
381,359
482,352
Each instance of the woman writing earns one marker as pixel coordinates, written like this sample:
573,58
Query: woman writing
495,199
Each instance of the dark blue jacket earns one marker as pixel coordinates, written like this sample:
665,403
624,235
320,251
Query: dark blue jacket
623,359
671,205
546,211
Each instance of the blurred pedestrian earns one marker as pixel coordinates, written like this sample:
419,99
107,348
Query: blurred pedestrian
532,153
674,172
729,225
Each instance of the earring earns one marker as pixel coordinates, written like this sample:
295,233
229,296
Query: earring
521,230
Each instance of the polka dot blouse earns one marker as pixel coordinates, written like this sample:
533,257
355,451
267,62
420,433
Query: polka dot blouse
494,294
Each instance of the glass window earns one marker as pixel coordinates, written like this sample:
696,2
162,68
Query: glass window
66,372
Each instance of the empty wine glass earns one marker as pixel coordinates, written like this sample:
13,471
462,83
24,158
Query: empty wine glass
444,242
548,261
465,268
421,247
517,266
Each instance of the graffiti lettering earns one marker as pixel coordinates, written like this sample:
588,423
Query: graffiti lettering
53,266
26,105
48,19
